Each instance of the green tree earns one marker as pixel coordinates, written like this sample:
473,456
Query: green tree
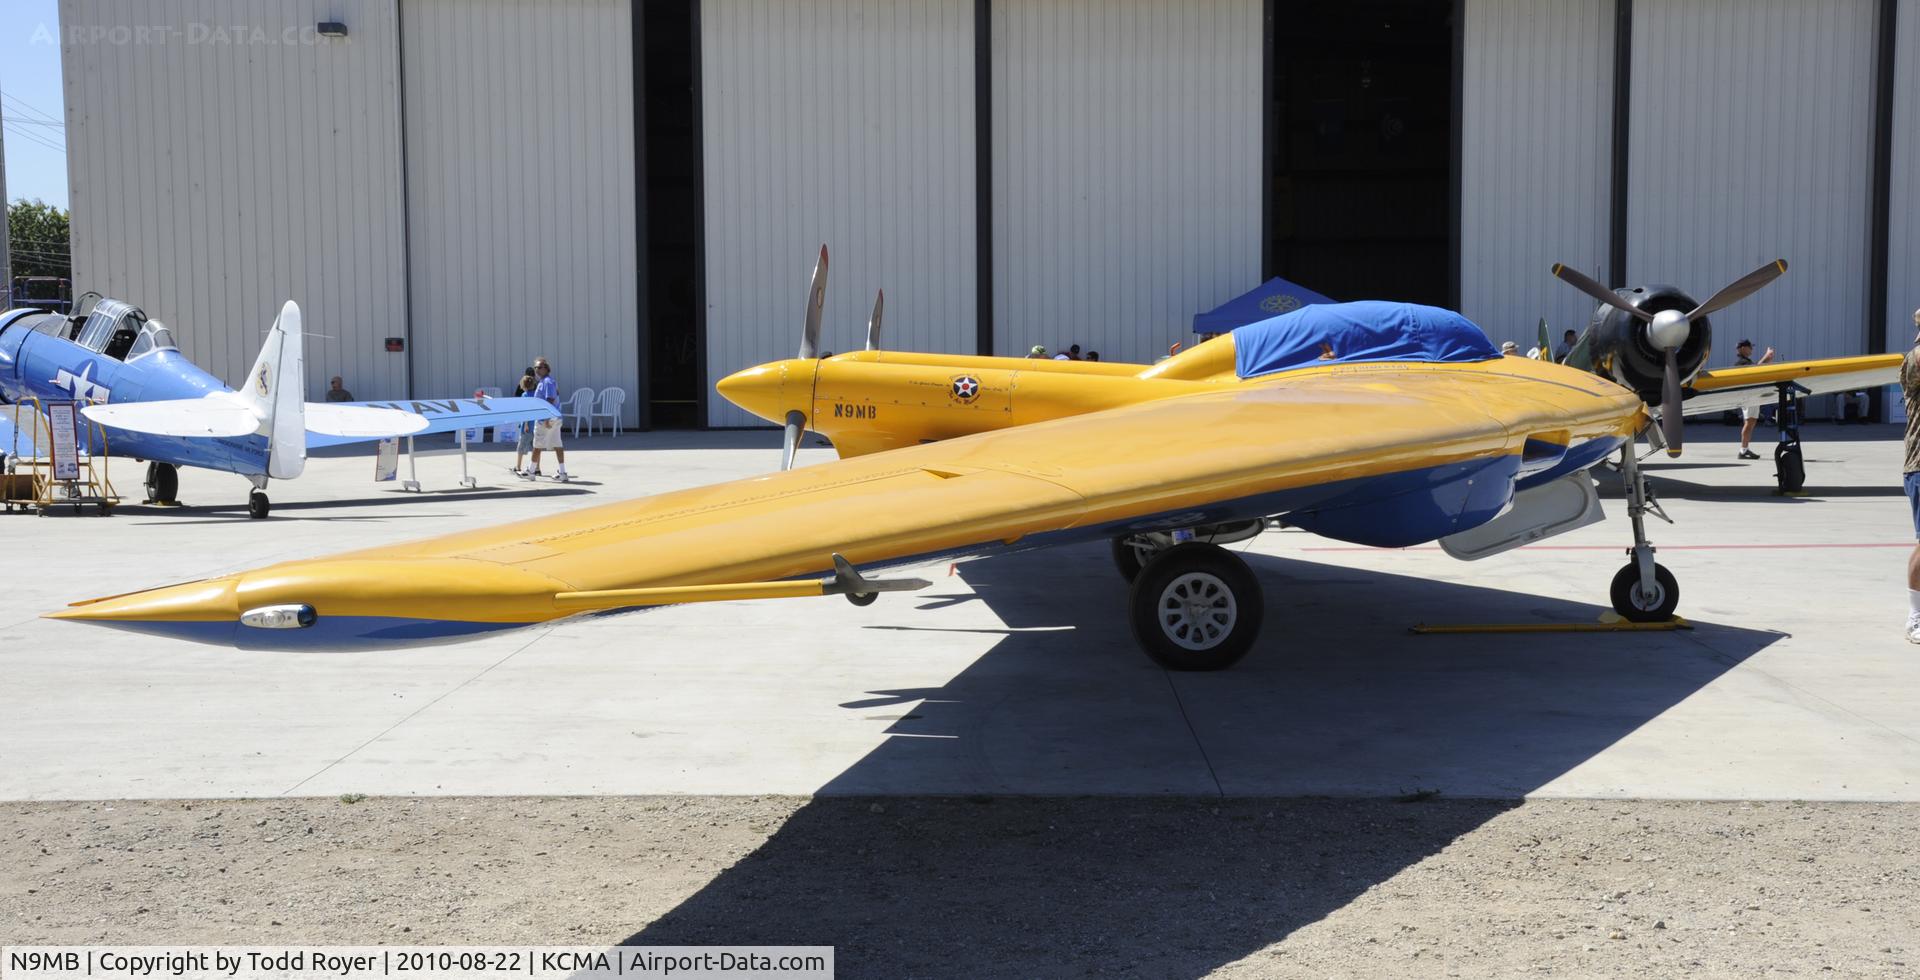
37,235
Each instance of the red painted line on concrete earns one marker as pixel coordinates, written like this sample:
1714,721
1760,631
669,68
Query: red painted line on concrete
1664,547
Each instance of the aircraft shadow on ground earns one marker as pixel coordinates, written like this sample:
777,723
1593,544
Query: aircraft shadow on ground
1338,700
202,513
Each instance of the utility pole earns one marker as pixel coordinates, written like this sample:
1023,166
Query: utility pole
6,234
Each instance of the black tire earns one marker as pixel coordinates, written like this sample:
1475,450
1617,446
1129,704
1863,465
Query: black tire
1626,599
1789,470
163,483
862,598
1126,558
257,505
1165,627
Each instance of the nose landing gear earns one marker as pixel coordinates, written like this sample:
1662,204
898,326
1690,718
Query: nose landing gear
1643,591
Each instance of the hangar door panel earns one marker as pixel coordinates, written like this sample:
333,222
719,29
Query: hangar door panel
1126,169
520,176
850,123
198,197
1752,139
1535,161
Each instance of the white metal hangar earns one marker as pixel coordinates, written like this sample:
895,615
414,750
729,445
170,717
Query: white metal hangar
636,188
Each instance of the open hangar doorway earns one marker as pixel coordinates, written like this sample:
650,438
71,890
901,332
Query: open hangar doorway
674,358
1360,134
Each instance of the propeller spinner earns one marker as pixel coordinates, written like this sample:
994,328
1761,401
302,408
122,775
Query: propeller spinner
1666,331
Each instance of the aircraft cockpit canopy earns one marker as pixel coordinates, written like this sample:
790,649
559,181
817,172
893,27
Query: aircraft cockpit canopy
153,336
114,328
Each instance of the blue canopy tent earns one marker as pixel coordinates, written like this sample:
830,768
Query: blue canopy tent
1265,301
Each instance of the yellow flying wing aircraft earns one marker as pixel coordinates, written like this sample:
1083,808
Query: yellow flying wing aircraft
1384,424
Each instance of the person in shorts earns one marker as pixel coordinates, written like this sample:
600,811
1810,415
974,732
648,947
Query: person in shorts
1749,414
546,432
524,444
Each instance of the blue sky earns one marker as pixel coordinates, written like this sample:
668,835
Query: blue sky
31,96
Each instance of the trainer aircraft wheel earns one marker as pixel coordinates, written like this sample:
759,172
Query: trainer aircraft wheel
1196,607
862,598
257,505
1634,607
163,482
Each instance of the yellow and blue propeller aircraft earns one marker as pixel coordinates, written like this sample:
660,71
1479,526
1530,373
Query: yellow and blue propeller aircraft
1386,424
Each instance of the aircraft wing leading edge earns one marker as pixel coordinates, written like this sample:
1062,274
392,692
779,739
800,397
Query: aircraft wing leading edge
1292,444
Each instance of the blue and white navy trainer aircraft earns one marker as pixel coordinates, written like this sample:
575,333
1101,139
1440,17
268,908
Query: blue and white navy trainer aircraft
156,405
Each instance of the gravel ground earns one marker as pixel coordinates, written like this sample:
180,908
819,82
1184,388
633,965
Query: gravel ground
1004,886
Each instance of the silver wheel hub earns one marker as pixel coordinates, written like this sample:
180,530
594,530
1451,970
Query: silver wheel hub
1647,598
1197,611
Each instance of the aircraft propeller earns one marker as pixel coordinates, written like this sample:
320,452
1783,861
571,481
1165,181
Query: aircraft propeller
1667,331
809,349
873,322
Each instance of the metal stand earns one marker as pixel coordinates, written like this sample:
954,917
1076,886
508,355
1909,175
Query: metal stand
412,482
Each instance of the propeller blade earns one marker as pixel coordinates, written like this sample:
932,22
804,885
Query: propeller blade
1740,288
816,302
1581,281
873,322
1672,419
790,442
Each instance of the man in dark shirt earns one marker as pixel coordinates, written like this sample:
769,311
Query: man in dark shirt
1749,414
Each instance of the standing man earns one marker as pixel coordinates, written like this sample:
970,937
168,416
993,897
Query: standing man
1910,388
337,390
1749,414
546,433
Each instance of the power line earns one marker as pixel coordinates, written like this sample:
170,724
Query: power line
36,138
21,121
27,107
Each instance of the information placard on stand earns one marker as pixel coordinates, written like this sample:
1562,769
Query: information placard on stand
65,448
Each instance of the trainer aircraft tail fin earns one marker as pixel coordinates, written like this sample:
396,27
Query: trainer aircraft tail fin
275,391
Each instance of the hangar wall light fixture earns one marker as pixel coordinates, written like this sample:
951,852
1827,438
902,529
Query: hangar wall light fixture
332,28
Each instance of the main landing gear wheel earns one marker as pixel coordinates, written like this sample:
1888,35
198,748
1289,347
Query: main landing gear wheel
1196,607
163,483
1635,607
257,505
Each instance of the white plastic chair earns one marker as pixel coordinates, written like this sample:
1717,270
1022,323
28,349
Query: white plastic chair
611,401
580,409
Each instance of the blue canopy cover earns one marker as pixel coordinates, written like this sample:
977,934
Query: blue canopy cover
1366,331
